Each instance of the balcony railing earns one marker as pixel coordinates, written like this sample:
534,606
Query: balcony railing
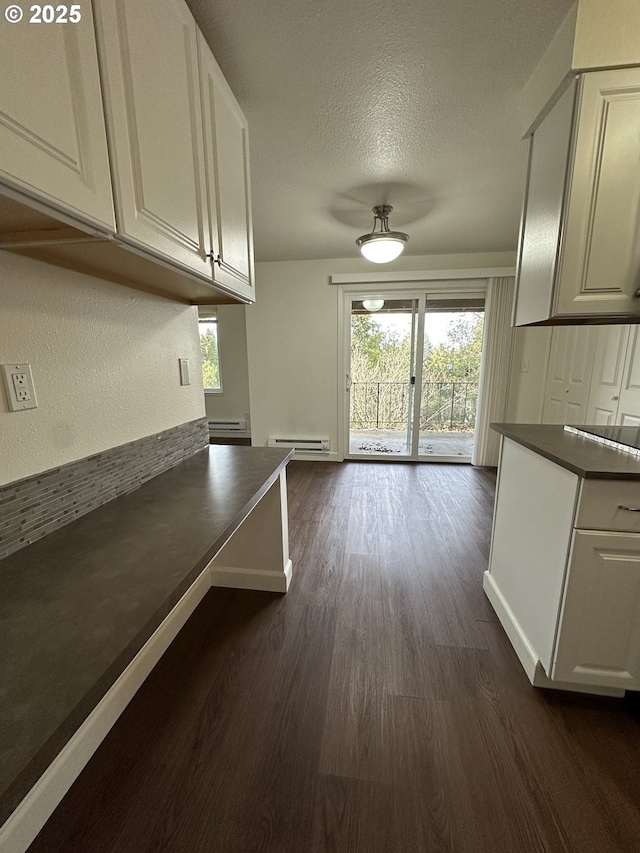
385,405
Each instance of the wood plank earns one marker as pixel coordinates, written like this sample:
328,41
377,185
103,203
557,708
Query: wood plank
355,715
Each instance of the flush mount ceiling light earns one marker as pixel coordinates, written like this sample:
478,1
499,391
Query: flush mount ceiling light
382,246
372,304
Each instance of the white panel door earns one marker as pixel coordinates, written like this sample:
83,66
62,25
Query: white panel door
569,374
607,376
629,405
154,118
599,631
227,163
52,133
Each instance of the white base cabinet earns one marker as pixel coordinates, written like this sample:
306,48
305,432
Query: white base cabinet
599,629
566,591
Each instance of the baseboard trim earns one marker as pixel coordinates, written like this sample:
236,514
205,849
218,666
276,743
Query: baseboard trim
20,829
525,651
236,578
521,645
541,679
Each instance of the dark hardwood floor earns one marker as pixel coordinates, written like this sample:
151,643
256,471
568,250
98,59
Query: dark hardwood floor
376,708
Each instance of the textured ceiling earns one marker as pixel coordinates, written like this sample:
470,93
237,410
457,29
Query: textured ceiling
353,103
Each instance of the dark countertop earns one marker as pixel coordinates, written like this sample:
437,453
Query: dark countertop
583,456
78,605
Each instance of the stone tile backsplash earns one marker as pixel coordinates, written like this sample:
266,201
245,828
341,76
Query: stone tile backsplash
37,505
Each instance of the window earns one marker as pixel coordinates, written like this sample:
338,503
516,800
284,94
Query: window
210,353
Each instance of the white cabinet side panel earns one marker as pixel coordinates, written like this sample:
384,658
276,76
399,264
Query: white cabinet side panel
542,214
532,531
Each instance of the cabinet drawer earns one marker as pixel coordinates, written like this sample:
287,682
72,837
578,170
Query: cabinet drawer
599,506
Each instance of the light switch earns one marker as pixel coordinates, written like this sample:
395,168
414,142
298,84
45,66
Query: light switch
18,383
184,372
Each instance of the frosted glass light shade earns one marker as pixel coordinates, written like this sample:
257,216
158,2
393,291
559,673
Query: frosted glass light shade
384,245
373,304
381,249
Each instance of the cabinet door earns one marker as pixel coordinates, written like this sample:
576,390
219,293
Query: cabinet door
154,119
607,377
227,160
52,132
599,631
629,406
600,263
569,374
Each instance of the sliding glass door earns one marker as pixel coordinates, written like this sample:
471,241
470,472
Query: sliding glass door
381,378
412,382
452,352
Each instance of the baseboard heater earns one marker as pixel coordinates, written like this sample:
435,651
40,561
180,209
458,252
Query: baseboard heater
227,426
302,445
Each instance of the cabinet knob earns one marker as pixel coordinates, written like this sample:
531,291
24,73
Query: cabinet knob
615,397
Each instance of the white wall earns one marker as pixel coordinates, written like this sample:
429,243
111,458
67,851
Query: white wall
292,340
233,402
594,34
529,359
104,360
550,74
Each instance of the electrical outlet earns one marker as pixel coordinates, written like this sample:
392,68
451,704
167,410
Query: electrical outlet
20,387
18,384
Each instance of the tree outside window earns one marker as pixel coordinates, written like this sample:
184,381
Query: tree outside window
210,354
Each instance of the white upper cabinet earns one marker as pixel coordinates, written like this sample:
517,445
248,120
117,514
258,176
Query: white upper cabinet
579,258
134,120
149,58
52,131
227,165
